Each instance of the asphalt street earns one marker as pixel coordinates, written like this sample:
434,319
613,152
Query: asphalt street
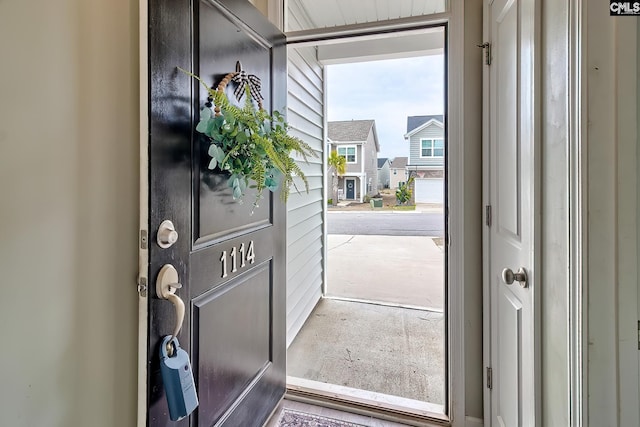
386,223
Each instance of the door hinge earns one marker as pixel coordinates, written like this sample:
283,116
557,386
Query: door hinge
142,287
487,52
487,215
144,239
638,334
489,378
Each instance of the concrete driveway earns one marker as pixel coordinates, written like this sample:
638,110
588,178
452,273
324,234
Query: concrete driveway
405,270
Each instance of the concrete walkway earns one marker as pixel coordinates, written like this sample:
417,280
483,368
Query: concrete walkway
390,350
406,270
379,348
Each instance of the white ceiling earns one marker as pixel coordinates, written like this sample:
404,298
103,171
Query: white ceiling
331,13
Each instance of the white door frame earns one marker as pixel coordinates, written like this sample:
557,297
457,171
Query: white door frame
464,127
143,253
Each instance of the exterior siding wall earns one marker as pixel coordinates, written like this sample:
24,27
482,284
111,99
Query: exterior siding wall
352,167
399,176
383,176
431,131
371,165
305,247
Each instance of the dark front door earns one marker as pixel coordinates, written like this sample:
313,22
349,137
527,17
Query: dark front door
351,189
230,262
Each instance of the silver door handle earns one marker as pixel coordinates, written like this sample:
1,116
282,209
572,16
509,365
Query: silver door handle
508,276
166,286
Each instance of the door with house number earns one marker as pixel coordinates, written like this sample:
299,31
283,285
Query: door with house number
230,262
512,168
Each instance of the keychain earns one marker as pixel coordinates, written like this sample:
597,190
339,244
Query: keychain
177,378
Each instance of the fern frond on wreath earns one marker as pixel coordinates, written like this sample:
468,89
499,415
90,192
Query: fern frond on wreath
249,144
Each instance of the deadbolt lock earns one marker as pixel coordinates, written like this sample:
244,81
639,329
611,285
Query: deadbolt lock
167,234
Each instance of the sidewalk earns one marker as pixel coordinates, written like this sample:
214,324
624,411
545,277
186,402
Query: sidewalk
366,207
405,270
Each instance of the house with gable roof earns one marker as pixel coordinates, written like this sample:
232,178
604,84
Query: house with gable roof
426,157
357,142
383,172
398,172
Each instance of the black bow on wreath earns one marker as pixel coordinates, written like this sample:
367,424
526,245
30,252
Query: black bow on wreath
244,80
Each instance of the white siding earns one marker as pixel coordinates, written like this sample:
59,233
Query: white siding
432,131
305,249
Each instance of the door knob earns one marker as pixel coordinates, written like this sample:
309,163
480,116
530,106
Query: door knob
166,286
167,234
508,276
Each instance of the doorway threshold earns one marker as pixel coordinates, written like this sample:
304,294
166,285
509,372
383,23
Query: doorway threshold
383,406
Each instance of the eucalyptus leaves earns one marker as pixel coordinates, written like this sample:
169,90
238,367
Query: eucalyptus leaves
250,145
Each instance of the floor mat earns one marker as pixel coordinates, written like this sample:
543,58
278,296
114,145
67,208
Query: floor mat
290,418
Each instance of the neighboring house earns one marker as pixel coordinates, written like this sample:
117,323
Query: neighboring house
426,157
357,141
383,172
398,172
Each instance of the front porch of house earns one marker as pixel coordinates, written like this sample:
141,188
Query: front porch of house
351,188
378,334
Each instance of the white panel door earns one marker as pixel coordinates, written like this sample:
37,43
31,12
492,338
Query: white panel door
512,195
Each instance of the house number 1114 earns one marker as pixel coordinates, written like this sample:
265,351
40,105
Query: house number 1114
241,254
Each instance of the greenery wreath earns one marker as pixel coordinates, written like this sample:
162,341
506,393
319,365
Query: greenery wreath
251,146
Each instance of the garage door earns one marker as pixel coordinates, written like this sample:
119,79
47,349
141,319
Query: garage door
429,190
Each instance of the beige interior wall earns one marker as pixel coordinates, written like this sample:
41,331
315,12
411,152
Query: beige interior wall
68,212
261,5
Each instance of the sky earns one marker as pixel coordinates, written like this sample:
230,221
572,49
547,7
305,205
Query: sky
387,91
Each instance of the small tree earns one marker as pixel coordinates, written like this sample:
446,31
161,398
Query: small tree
403,193
337,166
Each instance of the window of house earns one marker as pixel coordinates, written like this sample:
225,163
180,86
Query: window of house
431,148
348,153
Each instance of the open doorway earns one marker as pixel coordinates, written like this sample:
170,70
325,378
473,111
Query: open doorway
377,335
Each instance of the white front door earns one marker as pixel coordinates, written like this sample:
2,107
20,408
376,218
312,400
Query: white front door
511,193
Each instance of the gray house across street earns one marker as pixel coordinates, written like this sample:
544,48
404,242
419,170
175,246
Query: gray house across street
357,141
383,172
426,157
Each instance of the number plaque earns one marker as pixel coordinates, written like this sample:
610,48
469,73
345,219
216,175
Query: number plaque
240,256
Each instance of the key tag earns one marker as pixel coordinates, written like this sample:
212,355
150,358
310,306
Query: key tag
177,378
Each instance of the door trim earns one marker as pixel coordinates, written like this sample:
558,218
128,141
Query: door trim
143,252
464,90
577,156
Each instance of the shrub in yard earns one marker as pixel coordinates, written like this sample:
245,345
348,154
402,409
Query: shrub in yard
403,193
